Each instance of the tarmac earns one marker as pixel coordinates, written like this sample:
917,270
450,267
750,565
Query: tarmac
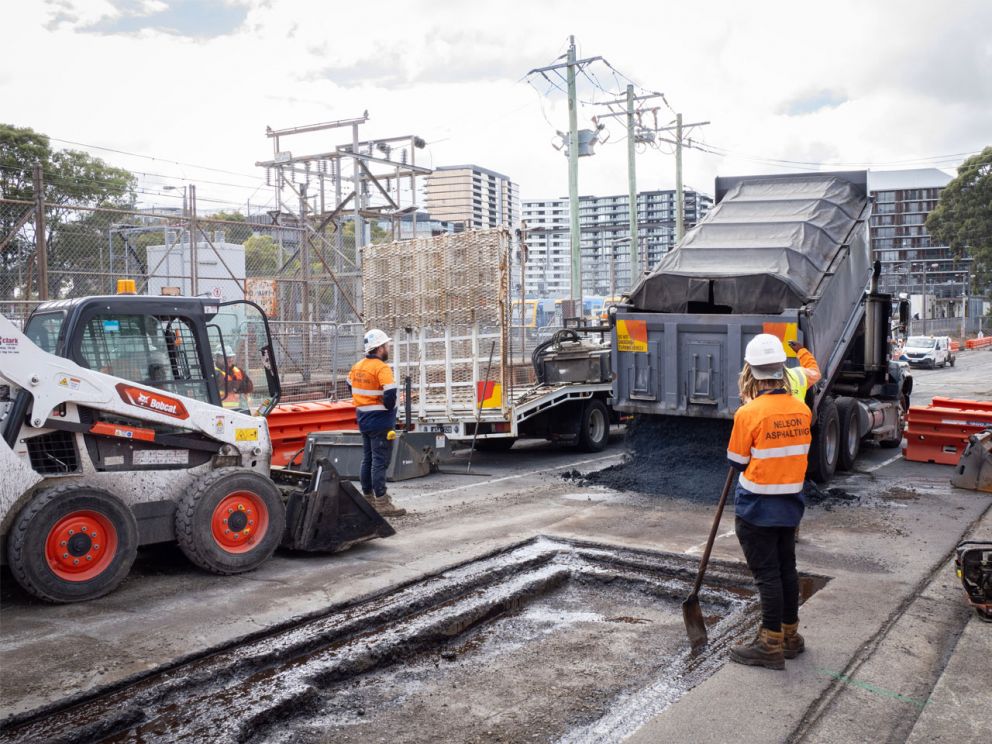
892,653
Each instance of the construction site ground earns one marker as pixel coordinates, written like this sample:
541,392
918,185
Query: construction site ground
893,654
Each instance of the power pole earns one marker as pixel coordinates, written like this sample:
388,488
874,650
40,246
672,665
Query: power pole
633,118
571,65
631,184
679,128
679,192
573,179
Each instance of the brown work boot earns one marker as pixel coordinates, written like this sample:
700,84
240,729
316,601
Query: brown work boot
764,651
792,643
370,497
385,506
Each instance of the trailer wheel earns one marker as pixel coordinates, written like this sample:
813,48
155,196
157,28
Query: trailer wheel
825,449
850,437
231,521
594,426
72,543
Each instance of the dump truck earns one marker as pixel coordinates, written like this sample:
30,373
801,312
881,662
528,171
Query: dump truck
783,254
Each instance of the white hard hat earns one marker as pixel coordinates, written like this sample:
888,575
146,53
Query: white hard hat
766,355
374,339
224,351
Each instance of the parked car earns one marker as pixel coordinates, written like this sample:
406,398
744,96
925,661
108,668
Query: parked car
928,351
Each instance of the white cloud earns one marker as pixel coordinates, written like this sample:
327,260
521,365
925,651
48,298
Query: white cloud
910,79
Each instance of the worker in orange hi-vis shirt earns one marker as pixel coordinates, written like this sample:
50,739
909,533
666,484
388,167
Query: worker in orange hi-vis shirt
373,391
770,443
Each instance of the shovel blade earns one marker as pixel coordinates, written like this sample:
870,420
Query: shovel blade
695,625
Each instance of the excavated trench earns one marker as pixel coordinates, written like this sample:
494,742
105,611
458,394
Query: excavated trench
548,640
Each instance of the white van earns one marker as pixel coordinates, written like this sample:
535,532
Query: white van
928,351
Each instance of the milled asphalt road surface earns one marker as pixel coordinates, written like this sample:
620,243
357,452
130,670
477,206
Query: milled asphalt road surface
892,652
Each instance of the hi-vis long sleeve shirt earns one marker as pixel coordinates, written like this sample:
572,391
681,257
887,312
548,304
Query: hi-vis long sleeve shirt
373,391
770,444
805,375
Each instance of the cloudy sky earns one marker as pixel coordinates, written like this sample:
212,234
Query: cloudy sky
785,85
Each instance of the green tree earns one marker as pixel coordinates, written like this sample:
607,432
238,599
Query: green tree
79,188
238,233
261,255
963,217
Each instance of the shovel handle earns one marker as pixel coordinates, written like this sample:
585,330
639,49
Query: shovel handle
716,524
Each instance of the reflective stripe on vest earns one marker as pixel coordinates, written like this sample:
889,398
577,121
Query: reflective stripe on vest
797,382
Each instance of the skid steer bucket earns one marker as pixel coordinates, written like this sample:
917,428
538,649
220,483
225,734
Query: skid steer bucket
974,469
331,515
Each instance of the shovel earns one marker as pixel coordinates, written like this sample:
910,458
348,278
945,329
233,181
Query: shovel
692,613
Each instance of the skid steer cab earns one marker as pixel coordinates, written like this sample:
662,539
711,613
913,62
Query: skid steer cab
129,420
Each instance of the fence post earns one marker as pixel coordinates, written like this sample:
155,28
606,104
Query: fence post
40,241
193,282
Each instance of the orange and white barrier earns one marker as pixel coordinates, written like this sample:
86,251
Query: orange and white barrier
978,343
289,424
939,432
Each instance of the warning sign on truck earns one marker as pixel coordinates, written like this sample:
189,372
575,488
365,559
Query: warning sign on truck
632,335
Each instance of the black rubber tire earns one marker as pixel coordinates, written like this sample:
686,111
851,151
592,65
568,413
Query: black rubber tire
29,532
953,359
594,427
503,444
195,511
895,443
824,451
849,441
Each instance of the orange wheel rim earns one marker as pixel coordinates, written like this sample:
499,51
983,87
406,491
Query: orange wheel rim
81,545
239,521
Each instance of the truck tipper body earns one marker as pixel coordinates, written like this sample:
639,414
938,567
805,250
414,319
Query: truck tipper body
782,254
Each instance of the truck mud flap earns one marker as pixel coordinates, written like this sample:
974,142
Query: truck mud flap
330,515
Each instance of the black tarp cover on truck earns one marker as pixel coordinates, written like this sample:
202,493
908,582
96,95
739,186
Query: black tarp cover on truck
766,246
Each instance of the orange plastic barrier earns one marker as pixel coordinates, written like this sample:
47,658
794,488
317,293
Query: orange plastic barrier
955,346
939,432
289,424
978,343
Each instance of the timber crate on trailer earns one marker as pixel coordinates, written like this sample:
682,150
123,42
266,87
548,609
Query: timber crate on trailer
445,302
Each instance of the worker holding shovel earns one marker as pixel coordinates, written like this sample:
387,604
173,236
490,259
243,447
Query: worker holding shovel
769,445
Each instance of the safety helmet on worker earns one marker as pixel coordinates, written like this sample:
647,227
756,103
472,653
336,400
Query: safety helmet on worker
766,356
374,339
224,351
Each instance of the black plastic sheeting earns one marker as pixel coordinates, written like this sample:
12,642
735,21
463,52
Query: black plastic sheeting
765,248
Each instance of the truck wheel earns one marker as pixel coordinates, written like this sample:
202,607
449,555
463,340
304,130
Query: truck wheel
503,444
897,442
594,427
71,543
952,361
850,438
825,449
231,521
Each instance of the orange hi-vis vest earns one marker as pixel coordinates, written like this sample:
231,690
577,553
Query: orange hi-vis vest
371,380
771,437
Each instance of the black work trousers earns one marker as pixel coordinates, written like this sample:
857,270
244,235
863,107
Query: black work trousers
771,555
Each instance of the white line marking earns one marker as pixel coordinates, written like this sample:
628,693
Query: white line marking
522,475
699,548
881,465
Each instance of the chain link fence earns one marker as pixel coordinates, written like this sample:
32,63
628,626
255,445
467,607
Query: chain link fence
307,280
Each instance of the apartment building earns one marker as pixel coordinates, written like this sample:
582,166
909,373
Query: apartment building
471,197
